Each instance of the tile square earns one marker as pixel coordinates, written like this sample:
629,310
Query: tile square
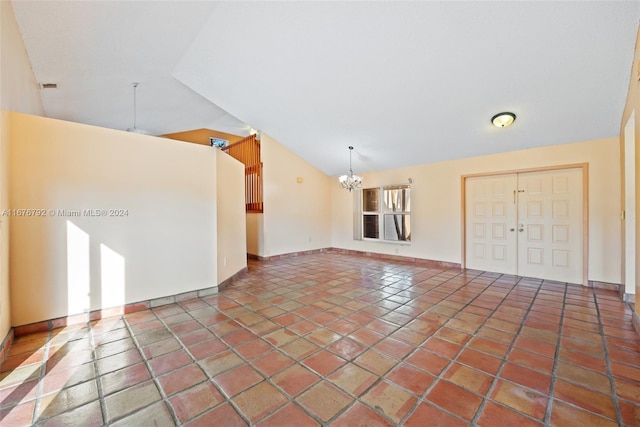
280,337
531,360
299,349
454,399
260,401
394,348
220,362
323,337
303,327
428,362
442,348
57,380
19,393
535,346
347,348
427,414
521,399
195,401
360,415
272,363
295,379
412,338
159,348
376,362
238,379
20,415
124,378
470,379
181,379
118,361
324,400
353,379
169,362
589,400
563,414
526,377
130,400
238,336
487,346
481,361
252,349
366,336
630,413
68,398
195,337
221,415
289,415
391,400
410,378
498,415
324,362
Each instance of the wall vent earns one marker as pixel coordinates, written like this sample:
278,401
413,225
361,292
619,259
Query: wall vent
48,85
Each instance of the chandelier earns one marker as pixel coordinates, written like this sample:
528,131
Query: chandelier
350,181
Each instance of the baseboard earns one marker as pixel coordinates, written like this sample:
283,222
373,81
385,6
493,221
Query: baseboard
606,286
83,318
6,344
427,262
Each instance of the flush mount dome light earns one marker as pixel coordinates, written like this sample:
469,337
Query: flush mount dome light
502,120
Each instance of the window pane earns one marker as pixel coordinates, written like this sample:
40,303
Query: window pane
370,227
371,200
397,227
397,199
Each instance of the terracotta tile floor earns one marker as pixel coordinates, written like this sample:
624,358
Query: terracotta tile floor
337,340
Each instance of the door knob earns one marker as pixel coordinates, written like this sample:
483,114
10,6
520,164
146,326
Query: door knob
512,229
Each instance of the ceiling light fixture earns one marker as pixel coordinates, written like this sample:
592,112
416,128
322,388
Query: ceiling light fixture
134,129
502,120
350,181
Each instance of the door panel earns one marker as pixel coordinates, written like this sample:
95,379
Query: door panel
490,216
550,225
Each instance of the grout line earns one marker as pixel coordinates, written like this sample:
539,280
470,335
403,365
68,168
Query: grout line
556,357
154,378
605,347
228,400
41,377
97,379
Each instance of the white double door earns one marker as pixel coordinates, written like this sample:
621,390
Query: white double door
526,224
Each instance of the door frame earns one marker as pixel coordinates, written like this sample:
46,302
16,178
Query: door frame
585,208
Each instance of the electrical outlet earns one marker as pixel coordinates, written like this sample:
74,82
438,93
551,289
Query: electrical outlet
224,261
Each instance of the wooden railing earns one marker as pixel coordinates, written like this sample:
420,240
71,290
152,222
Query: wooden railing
247,151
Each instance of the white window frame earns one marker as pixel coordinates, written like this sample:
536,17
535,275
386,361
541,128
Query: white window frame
380,214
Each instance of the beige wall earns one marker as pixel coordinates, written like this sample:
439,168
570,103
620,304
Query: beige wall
632,108
5,308
297,215
165,245
436,203
255,233
231,219
18,92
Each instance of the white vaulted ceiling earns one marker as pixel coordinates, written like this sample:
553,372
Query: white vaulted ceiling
404,82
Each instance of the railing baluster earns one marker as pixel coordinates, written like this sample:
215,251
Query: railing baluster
247,151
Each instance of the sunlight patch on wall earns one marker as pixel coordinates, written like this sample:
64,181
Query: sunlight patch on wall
78,270
112,277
